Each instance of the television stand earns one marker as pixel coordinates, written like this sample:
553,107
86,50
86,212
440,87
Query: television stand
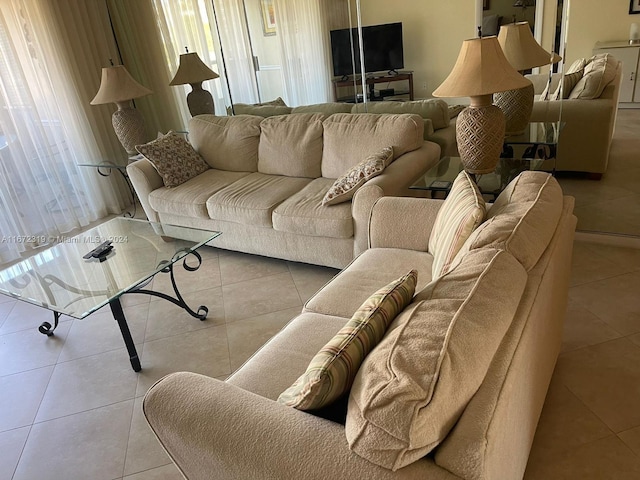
339,83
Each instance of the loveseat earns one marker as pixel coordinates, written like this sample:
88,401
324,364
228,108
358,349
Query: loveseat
487,345
268,176
439,123
585,139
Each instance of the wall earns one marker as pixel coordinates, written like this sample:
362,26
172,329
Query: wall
591,21
433,32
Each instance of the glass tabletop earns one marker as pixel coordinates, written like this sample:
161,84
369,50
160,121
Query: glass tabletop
61,280
440,177
541,133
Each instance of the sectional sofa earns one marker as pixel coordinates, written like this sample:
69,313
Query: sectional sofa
268,176
474,354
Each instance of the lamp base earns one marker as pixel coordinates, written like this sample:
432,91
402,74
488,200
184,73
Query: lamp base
517,106
129,127
480,135
200,101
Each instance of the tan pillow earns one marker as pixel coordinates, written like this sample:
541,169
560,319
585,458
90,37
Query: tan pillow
331,372
345,187
413,387
568,83
461,213
174,158
598,73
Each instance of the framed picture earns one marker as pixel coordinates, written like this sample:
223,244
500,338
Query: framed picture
634,6
268,17
485,5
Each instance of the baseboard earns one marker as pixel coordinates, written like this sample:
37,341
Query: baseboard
612,239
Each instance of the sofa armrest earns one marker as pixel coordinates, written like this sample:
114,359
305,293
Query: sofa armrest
403,222
394,182
145,179
212,428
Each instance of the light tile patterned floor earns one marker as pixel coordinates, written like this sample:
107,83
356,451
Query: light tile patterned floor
70,406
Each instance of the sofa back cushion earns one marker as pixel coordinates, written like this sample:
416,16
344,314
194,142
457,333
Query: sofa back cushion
291,145
435,109
227,143
260,110
599,71
348,138
412,388
328,108
522,220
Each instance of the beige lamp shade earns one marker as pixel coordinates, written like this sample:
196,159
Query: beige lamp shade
521,49
117,85
192,70
481,69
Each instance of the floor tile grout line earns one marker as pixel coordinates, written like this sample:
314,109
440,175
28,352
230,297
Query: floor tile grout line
24,445
67,415
126,449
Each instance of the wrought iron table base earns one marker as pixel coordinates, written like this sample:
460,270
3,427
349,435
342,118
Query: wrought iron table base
118,313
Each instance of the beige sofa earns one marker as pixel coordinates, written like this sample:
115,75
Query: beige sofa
439,126
268,177
236,429
585,139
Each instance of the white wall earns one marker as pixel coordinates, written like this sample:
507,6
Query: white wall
433,32
591,21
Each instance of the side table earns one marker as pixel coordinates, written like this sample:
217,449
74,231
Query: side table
105,169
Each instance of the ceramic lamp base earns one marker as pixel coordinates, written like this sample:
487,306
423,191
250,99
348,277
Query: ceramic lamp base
480,135
517,106
200,101
129,127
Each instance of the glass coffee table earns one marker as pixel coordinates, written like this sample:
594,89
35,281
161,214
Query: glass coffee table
127,255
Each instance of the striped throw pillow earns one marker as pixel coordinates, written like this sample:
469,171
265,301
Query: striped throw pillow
461,213
568,83
332,371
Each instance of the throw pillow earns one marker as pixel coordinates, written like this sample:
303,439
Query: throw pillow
568,83
174,158
331,372
278,102
461,213
598,73
345,187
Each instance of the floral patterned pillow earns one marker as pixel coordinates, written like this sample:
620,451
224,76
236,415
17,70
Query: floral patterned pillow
174,158
345,187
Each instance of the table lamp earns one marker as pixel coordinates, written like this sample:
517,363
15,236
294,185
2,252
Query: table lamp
480,71
522,52
193,71
118,86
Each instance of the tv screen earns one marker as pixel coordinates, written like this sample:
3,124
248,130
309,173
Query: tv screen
382,45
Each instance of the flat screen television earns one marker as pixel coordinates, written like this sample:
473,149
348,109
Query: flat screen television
382,45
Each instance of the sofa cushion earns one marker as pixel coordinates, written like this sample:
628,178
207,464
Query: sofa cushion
326,108
174,158
332,370
251,200
567,84
345,187
291,145
434,109
522,220
412,388
303,213
461,213
370,271
227,143
348,138
190,198
598,73
260,110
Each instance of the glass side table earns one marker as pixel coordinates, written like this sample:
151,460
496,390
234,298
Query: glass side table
539,141
105,169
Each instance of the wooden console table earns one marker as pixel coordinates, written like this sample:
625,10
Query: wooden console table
371,81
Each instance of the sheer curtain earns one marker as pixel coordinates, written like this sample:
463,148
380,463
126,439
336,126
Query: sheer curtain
44,131
306,51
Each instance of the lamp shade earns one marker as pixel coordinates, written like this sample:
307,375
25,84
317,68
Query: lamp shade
192,70
481,69
117,85
521,49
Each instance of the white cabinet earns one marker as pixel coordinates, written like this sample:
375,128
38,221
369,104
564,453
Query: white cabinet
628,55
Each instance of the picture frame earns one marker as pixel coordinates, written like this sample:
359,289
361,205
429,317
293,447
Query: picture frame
485,5
268,17
634,7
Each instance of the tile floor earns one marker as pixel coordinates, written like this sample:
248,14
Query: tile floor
70,406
